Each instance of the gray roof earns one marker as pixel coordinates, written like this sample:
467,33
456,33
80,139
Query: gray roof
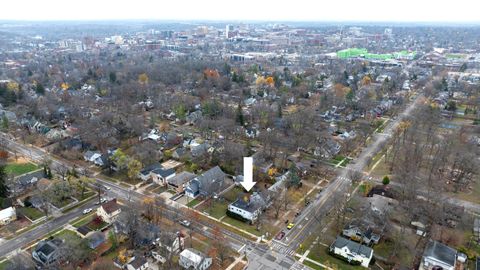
255,202
163,172
441,252
210,181
181,178
146,170
354,247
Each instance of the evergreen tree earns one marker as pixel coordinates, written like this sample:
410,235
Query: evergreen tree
4,190
240,117
4,122
40,89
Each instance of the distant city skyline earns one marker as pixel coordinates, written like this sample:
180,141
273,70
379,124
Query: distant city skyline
460,11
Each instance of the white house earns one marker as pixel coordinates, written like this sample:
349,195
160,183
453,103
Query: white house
193,259
438,256
249,209
7,215
109,211
352,251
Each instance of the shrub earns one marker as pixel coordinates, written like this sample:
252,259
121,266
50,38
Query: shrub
386,180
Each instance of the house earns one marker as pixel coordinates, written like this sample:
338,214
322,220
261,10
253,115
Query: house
179,181
145,172
438,256
380,204
138,263
95,239
179,153
7,215
381,190
208,184
361,233
47,251
352,251
194,259
27,180
172,242
161,175
248,209
91,156
109,211
199,150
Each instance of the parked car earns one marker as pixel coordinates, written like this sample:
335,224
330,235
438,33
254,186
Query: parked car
185,223
86,211
280,235
290,226
103,200
107,188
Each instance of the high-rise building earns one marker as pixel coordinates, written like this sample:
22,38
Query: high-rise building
228,31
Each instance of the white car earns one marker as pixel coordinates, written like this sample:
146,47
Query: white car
107,188
103,200
185,223
86,211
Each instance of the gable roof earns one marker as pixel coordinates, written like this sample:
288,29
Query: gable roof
211,181
146,170
354,247
181,178
111,206
138,262
7,213
193,255
440,252
30,178
255,202
164,172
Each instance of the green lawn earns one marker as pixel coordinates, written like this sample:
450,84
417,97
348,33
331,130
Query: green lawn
65,234
20,168
30,212
320,254
217,210
63,203
312,265
193,202
242,225
4,264
86,194
84,220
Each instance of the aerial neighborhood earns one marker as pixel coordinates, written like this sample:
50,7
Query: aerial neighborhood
122,146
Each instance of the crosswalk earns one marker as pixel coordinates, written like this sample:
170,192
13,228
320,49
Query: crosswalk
280,248
299,266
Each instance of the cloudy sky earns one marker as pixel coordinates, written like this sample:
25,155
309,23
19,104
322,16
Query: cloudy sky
268,10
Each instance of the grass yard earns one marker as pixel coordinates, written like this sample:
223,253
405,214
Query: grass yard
471,195
84,220
63,203
30,212
242,225
20,168
87,194
193,202
4,264
320,254
216,210
312,265
66,234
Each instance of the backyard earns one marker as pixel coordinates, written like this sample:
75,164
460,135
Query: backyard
19,168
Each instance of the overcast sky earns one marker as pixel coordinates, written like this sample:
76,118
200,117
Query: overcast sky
268,10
